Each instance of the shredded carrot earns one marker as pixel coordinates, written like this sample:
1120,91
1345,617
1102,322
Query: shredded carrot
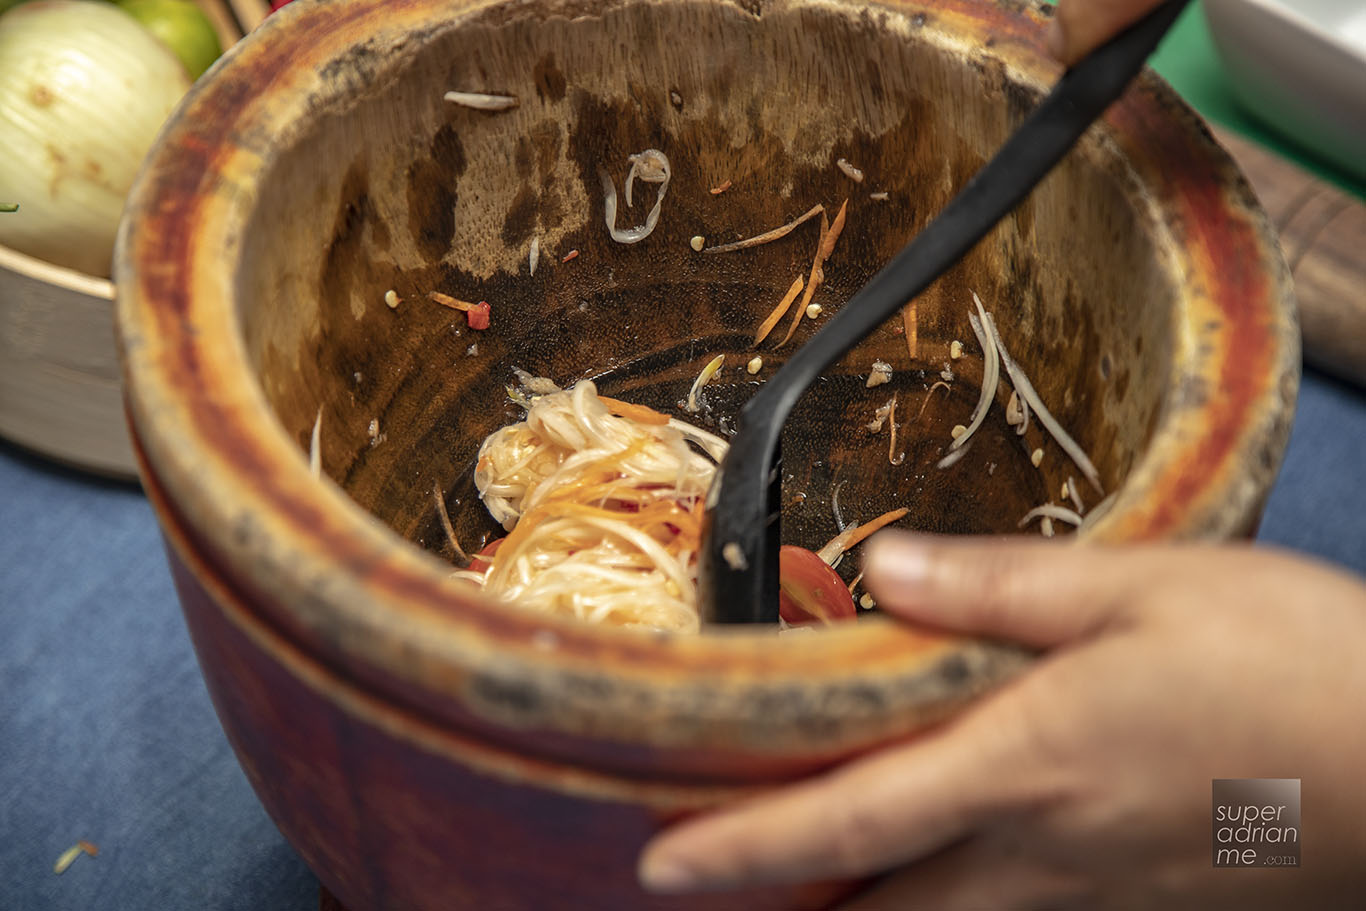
595,483
817,276
446,300
717,191
570,255
89,847
446,523
772,319
640,413
768,236
910,321
836,226
851,537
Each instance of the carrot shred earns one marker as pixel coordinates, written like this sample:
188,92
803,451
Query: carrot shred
836,226
597,480
772,319
910,320
851,537
89,847
717,191
446,300
817,276
572,254
769,236
630,410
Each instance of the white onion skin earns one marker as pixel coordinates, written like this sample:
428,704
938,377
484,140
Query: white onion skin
84,89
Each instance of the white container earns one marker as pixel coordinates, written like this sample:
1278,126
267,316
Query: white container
59,372
1299,66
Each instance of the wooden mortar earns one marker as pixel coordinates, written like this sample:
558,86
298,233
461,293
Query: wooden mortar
423,747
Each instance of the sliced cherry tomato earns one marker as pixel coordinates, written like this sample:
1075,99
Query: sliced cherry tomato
478,315
809,591
489,550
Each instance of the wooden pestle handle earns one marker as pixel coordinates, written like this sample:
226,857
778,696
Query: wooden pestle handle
1323,236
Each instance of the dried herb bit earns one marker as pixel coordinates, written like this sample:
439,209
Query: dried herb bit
68,857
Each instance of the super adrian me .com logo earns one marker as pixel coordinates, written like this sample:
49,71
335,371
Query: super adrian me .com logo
1256,822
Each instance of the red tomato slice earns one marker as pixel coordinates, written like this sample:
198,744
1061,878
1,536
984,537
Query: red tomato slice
809,591
489,550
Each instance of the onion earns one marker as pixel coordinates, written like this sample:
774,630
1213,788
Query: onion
83,91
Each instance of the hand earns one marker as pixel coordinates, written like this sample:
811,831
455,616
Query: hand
1081,26
1085,782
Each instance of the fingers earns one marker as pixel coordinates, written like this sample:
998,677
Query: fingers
1081,26
873,814
1034,592
971,876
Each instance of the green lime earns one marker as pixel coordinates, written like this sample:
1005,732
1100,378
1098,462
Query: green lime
182,27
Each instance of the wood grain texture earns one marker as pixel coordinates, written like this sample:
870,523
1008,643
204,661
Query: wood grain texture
1323,235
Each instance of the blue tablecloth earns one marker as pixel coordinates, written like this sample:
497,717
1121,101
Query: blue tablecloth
107,734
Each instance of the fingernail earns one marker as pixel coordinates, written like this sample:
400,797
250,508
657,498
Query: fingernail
1055,40
898,558
663,874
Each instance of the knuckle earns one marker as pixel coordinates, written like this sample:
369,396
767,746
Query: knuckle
859,836
997,584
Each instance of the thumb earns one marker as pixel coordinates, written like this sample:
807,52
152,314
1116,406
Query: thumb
1081,26
1035,592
